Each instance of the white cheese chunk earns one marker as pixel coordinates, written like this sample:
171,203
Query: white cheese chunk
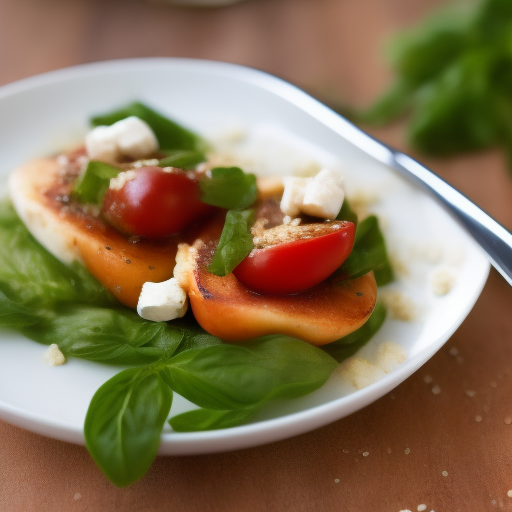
293,195
53,356
101,144
324,195
320,196
134,137
131,137
160,302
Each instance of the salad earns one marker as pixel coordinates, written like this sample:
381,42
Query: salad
141,222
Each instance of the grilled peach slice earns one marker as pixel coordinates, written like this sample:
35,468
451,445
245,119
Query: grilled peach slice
40,191
227,309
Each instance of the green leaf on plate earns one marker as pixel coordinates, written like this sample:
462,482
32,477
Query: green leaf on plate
229,187
94,182
183,159
170,134
209,419
350,344
124,422
235,242
369,253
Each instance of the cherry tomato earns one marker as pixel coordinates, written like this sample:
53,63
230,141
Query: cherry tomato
293,267
155,203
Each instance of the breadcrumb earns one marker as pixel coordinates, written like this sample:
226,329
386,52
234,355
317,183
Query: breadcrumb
53,356
359,372
442,282
400,306
389,356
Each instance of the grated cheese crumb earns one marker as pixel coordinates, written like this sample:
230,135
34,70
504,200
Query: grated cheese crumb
389,356
400,306
53,356
121,180
421,507
509,493
359,372
442,281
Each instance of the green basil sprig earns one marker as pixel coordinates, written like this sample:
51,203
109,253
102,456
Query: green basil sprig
346,213
235,242
94,182
170,134
182,159
230,188
454,78
124,422
348,345
369,253
210,419
126,415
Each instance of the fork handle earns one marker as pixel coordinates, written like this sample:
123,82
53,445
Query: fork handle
495,240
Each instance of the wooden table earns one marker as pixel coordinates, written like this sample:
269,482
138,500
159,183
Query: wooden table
414,437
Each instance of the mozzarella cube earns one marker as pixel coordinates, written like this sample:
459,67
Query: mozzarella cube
131,137
160,302
324,195
101,144
293,195
134,137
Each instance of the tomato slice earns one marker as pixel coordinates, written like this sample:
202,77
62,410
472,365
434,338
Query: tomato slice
295,266
155,202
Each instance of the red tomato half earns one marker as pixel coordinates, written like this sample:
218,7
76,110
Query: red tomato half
295,266
155,203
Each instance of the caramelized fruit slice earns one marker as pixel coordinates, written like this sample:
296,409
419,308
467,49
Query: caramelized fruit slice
227,309
40,193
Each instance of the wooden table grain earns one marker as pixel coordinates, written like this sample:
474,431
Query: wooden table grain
448,451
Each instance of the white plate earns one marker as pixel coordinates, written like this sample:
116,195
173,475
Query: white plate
49,112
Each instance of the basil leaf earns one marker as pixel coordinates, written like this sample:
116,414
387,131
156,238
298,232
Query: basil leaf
30,275
220,377
114,336
124,422
208,419
369,253
298,367
346,213
93,184
229,187
230,377
182,159
350,344
15,315
235,242
170,135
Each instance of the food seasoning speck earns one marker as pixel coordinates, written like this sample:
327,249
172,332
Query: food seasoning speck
336,480
436,390
470,393
478,419
77,496
422,507
407,451
427,379
444,473
509,493
365,454
508,420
